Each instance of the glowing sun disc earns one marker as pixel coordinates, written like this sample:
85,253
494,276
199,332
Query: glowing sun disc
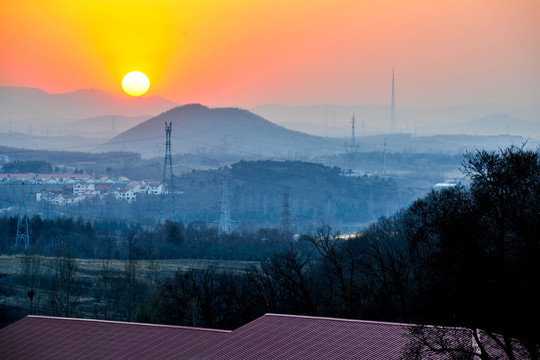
135,83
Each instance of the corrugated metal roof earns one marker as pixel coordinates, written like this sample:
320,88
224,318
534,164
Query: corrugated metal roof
275,336
271,336
40,337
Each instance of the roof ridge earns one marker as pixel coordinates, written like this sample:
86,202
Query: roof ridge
340,319
128,323
367,321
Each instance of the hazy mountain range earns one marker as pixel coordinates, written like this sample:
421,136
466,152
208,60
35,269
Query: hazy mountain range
474,119
86,119
85,112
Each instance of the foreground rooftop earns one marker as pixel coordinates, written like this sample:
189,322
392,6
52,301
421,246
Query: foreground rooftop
271,336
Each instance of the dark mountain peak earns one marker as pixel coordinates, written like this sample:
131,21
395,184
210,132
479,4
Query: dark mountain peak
184,110
198,128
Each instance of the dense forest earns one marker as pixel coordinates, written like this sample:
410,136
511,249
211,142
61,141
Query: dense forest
464,256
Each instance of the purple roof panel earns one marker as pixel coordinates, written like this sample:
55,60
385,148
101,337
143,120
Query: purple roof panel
63,338
284,336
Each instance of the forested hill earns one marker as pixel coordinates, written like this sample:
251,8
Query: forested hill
197,128
317,194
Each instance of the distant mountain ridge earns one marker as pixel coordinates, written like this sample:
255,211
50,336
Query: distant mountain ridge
33,107
498,124
335,120
197,128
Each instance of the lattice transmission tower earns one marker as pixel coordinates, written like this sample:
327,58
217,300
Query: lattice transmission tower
22,237
225,214
285,223
352,148
167,209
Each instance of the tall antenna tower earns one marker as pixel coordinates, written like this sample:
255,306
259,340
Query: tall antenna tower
352,148
393,111
286,215
225,215
385,161
168,204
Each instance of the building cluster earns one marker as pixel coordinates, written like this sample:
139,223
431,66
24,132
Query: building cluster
70,189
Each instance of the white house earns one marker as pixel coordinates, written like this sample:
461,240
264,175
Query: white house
125,194
154,188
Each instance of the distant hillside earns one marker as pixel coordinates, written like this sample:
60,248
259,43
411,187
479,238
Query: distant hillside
104,126
200,129
25,107
58,143
498,124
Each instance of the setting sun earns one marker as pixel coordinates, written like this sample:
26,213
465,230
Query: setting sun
135,83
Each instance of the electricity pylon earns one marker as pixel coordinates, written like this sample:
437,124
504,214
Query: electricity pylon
167,209
285,222
225,215
23,232
352,147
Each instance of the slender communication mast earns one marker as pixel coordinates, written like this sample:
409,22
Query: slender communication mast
385,161
393,111
168,204
225,215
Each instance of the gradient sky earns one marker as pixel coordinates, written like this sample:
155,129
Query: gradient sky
252,52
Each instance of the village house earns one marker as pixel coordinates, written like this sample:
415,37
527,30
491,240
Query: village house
125,194
84,188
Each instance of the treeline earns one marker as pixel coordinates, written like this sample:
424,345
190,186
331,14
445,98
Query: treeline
24,167
112,163
374,161
17,154
109,239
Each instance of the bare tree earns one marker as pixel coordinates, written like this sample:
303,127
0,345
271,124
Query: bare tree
443,342
32,275
341,261
107,288
65,287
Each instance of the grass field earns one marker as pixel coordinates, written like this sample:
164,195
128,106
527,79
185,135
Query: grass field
11,265
14,303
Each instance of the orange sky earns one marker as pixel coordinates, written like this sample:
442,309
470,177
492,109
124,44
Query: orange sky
251,52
